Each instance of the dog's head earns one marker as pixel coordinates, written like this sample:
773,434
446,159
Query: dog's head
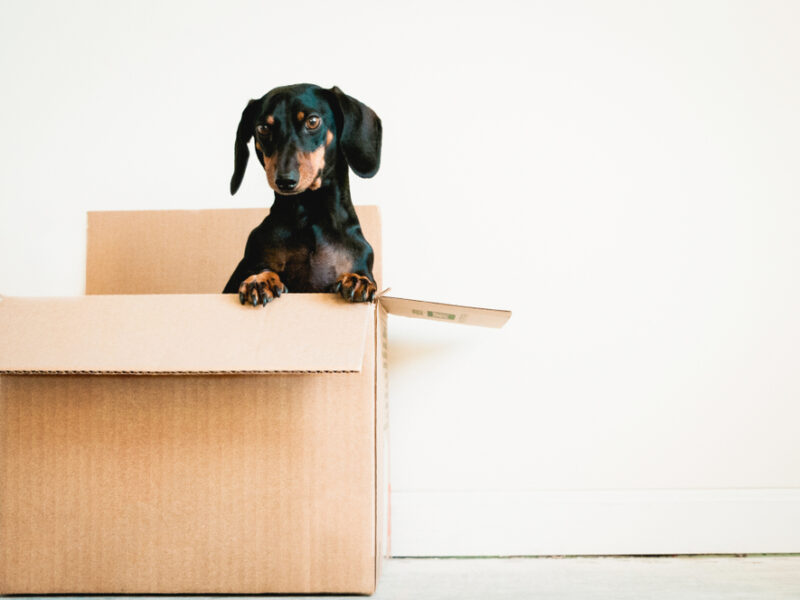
300,131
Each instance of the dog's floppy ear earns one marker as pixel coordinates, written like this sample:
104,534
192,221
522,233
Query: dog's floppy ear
243,134
359,133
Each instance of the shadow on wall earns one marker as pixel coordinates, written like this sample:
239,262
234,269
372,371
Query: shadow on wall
407,352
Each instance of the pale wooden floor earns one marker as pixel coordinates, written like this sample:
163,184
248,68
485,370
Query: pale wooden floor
691,578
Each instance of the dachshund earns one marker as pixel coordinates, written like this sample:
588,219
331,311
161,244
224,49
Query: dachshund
306,138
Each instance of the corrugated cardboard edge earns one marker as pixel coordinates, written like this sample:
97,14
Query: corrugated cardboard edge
168,373
382,493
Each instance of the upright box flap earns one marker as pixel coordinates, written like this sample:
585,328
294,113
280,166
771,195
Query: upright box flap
449,313
210,333
180,251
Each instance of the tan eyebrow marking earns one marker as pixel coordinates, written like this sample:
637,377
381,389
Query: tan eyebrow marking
270,120
301,115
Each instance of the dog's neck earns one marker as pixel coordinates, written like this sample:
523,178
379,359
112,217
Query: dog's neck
330,203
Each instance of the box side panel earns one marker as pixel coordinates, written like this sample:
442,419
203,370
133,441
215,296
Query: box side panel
178,251
193,484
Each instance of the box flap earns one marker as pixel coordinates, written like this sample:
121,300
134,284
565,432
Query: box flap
210,333
449,313
180,251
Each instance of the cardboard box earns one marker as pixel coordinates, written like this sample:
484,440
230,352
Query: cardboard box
158,437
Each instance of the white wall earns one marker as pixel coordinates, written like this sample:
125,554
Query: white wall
622,175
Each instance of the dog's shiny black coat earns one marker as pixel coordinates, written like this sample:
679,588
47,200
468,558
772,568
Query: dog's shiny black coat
306,137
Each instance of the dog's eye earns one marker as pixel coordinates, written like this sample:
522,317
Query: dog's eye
313,122
262,130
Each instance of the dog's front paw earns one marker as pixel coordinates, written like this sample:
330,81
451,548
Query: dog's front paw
355,288
261,288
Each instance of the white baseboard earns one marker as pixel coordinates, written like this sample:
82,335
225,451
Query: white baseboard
737,521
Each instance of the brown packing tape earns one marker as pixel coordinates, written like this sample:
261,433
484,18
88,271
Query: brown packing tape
447,313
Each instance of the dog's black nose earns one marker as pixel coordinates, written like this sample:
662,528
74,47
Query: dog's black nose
286,182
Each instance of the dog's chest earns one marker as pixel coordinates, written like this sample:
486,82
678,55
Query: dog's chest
312,267
327,262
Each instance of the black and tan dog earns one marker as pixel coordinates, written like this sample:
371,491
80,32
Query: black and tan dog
306,137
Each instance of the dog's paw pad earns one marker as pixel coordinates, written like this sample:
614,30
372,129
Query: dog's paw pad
261,288
355,288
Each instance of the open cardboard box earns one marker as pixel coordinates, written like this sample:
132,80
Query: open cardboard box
158,437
